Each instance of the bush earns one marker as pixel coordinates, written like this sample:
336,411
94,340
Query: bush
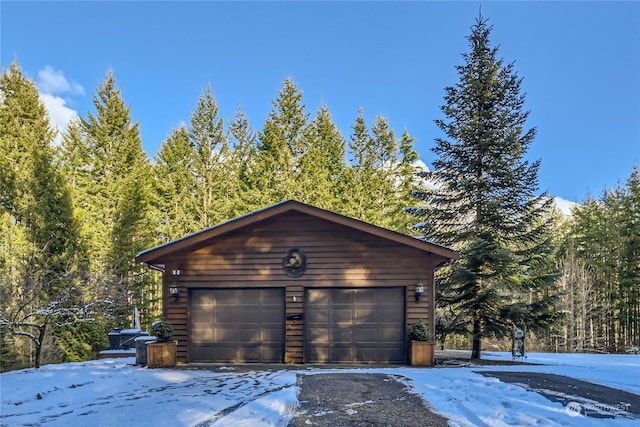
419,332
161,330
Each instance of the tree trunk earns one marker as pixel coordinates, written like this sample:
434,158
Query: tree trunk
42,330
476,351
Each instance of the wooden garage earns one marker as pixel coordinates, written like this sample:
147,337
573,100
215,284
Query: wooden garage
294,283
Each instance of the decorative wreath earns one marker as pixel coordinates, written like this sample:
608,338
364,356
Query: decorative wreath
294,263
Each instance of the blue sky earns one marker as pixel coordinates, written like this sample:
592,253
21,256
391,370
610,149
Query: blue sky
580,62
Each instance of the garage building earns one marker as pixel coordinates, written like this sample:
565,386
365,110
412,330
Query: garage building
292,283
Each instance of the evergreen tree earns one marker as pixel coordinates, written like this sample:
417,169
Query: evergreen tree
629,304
244,140
605,234
360,172
281,145
215,188
33,190
322,165
380,179
113,191
176,186
39,236
485,204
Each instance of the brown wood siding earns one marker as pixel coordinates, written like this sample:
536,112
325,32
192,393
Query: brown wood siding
337,256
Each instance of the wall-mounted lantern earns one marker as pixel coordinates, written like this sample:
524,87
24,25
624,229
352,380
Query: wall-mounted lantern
173,289
419,291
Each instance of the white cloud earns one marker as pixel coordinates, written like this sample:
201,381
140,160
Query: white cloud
564,206
59,113
55,91
53,82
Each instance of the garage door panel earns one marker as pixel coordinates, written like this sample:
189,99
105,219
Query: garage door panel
271,317
318,336
359,325
344,317
201,299
391,335
250,317
271,336
317,297
318,315
205,336
364,314
202,317
387,315
342,353
227,298
367,335
318,354
224,315
237,325
342,335
249,335
342,296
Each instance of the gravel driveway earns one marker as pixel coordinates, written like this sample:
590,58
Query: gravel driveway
349,399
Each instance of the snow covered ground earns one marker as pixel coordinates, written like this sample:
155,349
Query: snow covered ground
114,392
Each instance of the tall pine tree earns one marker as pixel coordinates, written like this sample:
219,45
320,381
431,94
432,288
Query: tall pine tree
281,144
38,232
176,186
112,179
485,204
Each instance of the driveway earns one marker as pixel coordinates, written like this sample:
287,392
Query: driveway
354,399
582,397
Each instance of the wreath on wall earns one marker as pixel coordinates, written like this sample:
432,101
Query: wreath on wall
294,263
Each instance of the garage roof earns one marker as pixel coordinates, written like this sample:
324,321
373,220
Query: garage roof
157,255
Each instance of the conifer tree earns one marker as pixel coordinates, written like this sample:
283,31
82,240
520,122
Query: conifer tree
629,303
211,157
282,142
176,186
32,189
485,204
244,141
38,233
360,173
379,180
113,189
322,165
605,234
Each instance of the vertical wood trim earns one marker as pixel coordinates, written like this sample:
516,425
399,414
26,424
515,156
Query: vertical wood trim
294,329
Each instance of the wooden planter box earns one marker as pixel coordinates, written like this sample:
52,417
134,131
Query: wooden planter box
423,353
161,354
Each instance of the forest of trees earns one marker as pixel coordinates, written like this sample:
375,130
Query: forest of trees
74,215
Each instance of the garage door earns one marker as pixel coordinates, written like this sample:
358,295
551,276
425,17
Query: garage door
355,325
237,325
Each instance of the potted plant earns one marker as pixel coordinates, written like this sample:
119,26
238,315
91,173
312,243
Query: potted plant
162,353
422,346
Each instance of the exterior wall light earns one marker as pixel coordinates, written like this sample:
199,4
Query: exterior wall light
173,289
419,291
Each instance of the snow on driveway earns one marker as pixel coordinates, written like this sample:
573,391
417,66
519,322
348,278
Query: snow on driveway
113,392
